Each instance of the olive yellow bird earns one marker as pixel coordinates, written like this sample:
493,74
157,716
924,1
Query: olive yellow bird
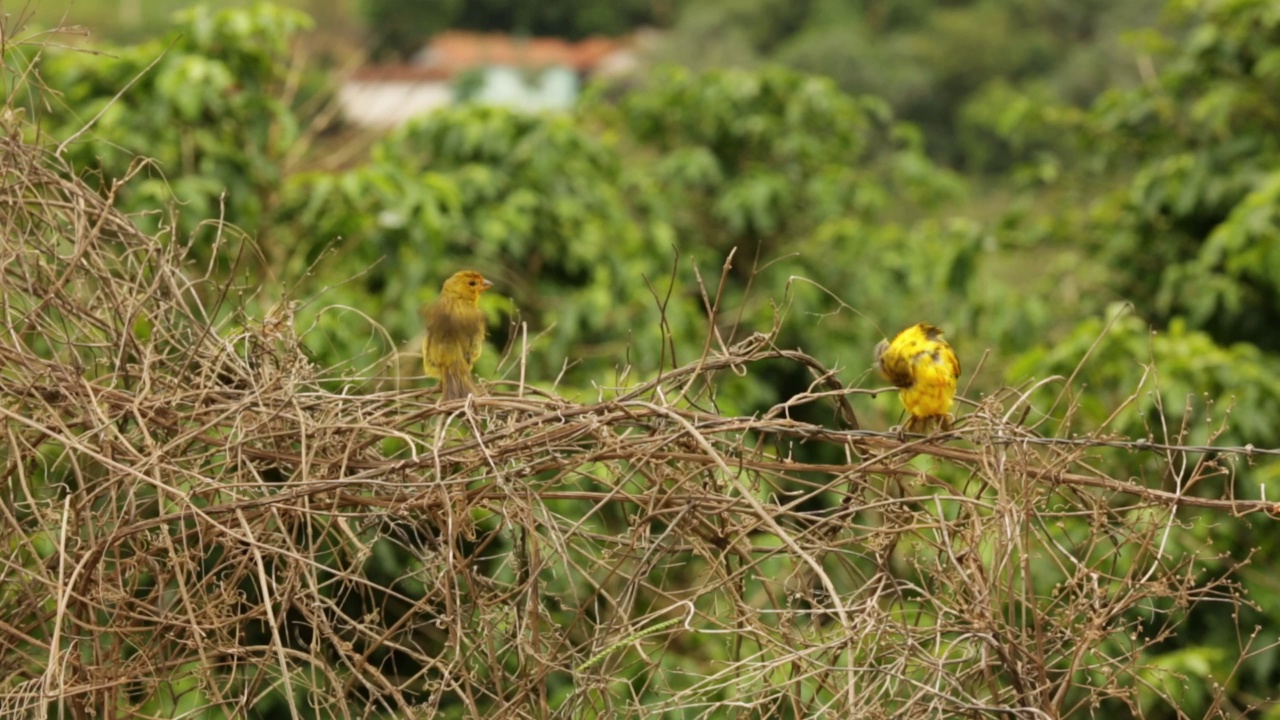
925,368
455,333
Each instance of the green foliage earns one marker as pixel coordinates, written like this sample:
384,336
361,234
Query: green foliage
1175,192
1192,229
926,58
813,184
769,155
582,231
203,104
399,28
1177,378
1178,181
564,18
1164,195
532,201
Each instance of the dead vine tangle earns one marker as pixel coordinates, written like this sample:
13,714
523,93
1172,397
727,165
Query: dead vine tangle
195,516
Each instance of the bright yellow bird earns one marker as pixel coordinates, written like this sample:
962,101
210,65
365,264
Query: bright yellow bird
923,365
455,333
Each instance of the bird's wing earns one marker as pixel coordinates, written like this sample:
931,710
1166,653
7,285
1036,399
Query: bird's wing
476,346
953,362
894,364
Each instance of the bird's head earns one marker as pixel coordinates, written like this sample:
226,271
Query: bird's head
880,348
466,284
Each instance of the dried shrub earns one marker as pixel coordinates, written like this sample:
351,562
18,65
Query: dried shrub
194,521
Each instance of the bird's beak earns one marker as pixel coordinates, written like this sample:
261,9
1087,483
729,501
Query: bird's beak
486,286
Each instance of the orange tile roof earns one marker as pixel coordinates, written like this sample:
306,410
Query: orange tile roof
456,51
399,73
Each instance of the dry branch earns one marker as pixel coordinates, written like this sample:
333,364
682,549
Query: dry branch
193,519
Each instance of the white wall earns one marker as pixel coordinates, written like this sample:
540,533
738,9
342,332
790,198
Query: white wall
386,103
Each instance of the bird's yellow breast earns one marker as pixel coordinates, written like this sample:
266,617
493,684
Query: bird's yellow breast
934,388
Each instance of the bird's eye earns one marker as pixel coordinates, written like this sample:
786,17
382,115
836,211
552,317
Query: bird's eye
472,283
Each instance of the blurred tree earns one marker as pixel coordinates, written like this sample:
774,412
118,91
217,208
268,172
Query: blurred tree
1184,168
581,232
579,216
925,57
205,104
734,32
567,18
1175,189
1197,232
1171,380
540,206
397,29
762,161
815,185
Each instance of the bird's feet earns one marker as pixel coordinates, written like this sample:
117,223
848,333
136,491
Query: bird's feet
924,425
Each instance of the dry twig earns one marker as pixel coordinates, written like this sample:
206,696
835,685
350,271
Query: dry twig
193,520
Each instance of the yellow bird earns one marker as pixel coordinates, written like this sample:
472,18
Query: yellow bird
923,365
455,333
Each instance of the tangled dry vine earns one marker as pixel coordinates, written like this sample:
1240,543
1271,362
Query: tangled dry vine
194,519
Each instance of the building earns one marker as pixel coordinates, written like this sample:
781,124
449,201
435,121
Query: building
533,74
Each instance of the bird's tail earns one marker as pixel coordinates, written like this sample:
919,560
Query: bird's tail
456,382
